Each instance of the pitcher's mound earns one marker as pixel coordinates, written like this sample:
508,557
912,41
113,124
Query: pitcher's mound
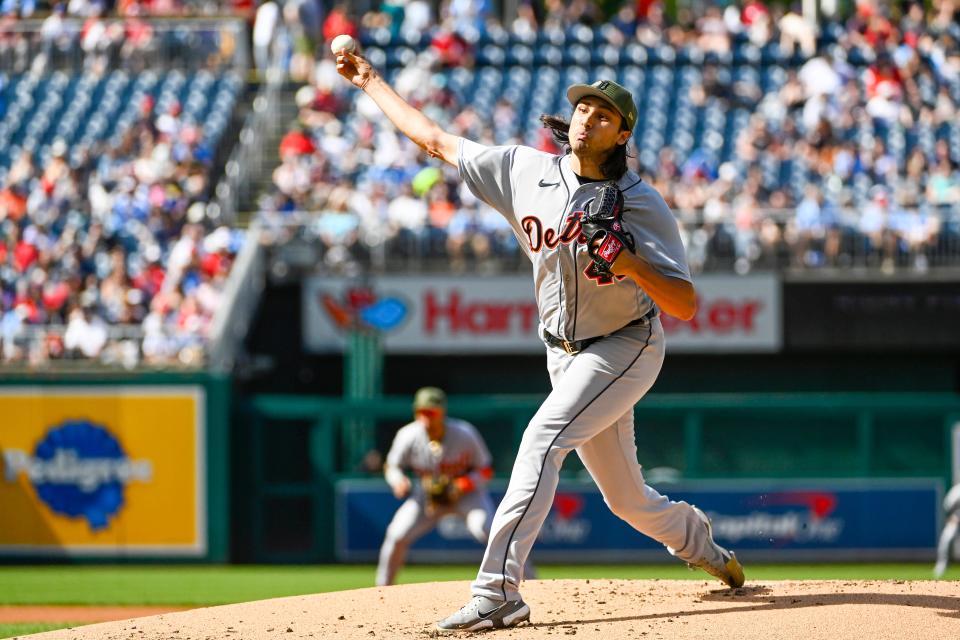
602,609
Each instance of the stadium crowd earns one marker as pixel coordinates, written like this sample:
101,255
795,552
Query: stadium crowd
112,256
109,250
13,9
846,152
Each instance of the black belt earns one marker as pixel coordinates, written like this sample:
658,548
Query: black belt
576,346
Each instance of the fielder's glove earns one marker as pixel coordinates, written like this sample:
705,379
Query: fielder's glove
440,491
603,231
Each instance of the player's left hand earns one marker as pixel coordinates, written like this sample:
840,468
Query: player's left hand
602,228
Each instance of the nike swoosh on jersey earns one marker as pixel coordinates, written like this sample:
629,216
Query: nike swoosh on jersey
548,184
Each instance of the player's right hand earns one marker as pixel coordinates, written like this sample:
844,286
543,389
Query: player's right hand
354,68
401,488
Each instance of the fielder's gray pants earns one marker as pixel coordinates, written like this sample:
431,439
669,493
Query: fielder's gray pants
411,522
591,410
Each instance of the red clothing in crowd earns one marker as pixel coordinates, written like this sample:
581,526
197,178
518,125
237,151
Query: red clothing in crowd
751,11
336,23
450,47
215,263
883,81
14,203
296,142
24,255
54,297
643,8
28,305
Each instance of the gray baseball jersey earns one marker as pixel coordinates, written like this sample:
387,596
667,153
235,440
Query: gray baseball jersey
591,406
462,451
540,196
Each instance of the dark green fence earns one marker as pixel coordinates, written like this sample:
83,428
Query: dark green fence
299,447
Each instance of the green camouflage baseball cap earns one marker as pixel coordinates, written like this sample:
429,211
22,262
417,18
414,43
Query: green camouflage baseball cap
429,398
619,97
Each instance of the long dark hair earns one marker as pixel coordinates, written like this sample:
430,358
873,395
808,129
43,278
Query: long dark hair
615,164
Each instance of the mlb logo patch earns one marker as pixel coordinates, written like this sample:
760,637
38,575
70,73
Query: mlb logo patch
610,248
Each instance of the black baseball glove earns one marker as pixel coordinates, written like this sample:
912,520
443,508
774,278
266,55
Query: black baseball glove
603,231
440,491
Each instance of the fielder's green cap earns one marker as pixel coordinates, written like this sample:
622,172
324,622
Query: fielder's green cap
616,95
429,398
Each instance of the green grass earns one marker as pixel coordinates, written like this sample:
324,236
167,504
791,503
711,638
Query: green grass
22,629
211,585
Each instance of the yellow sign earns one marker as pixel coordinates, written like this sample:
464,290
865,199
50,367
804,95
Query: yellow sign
102,471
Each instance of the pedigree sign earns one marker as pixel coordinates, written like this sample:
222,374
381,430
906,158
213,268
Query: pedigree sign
498,315
102,471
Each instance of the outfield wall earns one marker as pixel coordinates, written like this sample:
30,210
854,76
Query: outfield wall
133,466
300,448
763,520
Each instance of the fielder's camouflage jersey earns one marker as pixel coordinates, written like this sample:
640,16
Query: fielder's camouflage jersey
461,451
541,198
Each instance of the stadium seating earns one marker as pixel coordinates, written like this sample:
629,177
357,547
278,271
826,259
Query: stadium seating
85,109
704,107
107,252
533,77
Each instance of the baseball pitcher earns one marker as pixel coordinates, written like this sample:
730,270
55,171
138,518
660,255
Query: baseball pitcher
451,465
606,255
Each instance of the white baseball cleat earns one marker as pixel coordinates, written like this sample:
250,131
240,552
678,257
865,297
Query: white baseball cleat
483,613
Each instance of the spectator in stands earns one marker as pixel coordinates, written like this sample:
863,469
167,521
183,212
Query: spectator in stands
85,241
264,34
713,34
797,33
806,139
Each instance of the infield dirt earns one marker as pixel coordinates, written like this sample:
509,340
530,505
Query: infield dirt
607,609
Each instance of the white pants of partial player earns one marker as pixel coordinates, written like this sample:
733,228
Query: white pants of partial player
591,410
951,529
411,522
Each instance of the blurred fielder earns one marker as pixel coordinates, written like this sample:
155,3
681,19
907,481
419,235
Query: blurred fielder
951,506
452,466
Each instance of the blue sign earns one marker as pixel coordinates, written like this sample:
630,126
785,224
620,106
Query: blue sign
770,520
78,472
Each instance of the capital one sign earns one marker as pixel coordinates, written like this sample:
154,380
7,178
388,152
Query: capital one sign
498,315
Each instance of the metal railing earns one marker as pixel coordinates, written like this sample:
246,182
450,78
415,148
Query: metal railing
121,346
912,240
236,183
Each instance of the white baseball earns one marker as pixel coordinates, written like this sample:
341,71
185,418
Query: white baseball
343,41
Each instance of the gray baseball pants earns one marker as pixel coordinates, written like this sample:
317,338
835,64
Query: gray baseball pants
591,410
411,522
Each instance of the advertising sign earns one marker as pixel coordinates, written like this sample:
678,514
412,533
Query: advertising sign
498,315
899,315
771,520
734,314
102,471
